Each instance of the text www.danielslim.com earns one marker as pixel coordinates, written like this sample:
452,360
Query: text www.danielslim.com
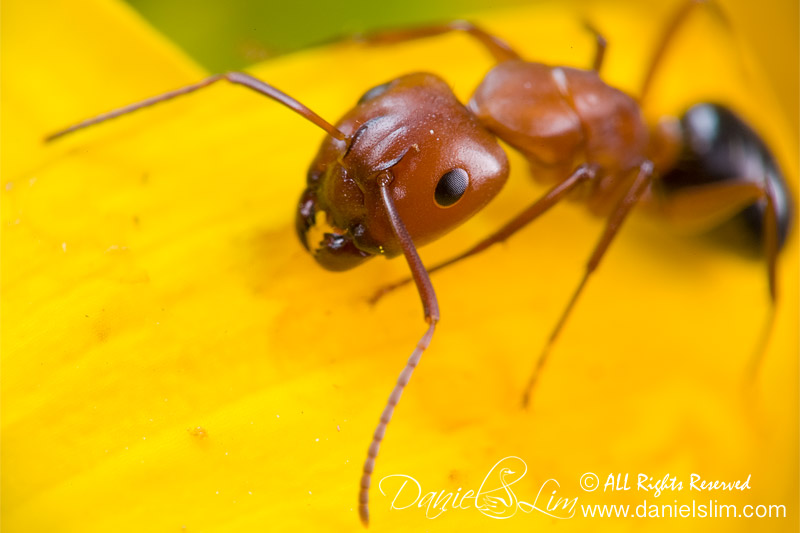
708,509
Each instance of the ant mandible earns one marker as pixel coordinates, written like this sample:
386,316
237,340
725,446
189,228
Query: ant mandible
410,163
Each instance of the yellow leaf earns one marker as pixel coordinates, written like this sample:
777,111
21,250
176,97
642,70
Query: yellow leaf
172,358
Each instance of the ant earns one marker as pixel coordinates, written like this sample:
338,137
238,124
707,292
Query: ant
409,163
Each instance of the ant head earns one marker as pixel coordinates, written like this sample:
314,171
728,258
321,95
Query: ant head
444,166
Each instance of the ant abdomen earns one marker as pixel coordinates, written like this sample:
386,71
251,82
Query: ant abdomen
718,148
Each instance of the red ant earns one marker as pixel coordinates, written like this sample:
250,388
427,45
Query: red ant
410,163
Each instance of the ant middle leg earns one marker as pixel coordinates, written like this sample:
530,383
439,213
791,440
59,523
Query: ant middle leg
499,49
582,174
618,216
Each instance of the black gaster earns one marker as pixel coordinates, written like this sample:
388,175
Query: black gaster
718,147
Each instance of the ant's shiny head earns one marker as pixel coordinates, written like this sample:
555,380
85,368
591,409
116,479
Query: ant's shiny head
443,166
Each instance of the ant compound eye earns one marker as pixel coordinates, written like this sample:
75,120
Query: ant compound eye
451,187
374,92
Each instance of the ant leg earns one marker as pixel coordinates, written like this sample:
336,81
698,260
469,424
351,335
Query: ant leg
616,219
600,51
239,78
431,309
552,197
705,206
771,251
669,33
499,49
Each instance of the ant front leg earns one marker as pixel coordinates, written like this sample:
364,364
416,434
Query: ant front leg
552,197
499,49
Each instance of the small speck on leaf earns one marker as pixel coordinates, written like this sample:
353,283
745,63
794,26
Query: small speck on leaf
199,432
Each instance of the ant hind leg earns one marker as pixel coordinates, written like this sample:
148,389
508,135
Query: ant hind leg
600,50
677,22
705,206
499,49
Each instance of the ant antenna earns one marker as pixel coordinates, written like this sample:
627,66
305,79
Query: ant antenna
239,78
431,309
